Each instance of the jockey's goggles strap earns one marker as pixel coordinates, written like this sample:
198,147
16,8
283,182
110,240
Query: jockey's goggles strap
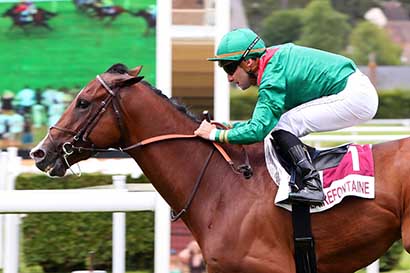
246,52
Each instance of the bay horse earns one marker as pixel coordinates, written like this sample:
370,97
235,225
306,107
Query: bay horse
102,13
150,20
40,18
234,220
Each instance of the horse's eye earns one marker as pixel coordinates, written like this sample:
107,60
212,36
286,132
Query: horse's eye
82,104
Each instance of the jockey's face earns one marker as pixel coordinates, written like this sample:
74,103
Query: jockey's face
241,78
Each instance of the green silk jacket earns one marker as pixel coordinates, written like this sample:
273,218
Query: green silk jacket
289,75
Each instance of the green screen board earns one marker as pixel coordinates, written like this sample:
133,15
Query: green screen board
44,66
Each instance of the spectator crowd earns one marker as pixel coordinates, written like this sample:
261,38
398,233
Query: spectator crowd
28,110
188,260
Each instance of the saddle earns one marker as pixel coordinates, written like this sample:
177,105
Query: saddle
321,160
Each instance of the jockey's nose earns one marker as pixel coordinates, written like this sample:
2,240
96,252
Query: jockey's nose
230,78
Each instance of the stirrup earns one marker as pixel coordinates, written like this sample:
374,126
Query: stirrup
301,197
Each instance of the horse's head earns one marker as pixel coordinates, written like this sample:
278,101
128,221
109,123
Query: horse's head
9,13
87,123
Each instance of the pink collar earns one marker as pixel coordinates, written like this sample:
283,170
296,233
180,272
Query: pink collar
264,61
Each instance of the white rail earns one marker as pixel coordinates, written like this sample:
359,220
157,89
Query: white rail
360,134
380,129
358,138
404,122
14,202
29,201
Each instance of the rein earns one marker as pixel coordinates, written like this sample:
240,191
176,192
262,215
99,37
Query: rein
69,147
176,216
244,169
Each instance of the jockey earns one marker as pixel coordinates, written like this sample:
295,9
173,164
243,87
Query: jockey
107,6
152,10
20,7
300,90
26,9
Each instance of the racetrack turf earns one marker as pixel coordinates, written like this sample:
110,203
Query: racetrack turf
76,50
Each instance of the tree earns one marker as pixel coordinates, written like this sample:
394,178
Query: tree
258,10
367,39
355,9
282,27
324,28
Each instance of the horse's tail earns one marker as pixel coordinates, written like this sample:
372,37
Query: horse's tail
47,14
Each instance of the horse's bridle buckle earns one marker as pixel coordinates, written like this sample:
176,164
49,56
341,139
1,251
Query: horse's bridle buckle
68,148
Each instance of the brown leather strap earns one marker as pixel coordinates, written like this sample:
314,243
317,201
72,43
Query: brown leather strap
244,169
157,139
223,153
176,215
177,136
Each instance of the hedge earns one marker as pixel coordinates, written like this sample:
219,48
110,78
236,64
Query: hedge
393,104
61,242
392,257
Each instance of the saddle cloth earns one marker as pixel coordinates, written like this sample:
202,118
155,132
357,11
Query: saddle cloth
354,176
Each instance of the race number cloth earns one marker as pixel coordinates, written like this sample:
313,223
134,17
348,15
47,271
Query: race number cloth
354,176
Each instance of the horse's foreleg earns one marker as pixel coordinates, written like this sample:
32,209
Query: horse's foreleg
47,26
26,32
405,231
109,22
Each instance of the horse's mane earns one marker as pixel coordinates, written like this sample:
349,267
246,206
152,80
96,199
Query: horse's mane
123,69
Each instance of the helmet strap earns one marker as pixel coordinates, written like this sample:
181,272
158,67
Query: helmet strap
248,50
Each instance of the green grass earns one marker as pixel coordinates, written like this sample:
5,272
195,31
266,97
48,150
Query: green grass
76,50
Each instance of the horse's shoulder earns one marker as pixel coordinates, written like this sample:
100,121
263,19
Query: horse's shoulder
384,150
255,153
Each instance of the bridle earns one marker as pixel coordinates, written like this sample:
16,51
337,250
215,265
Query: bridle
82,136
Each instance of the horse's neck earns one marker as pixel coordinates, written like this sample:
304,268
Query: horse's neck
172,166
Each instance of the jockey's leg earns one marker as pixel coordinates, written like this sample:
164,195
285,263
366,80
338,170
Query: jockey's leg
355,104
292,149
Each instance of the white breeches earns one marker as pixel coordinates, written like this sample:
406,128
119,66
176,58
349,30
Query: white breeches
357,103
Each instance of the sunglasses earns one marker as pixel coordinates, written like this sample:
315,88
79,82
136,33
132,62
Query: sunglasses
231,66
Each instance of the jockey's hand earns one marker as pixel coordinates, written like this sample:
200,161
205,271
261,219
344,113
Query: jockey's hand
204,130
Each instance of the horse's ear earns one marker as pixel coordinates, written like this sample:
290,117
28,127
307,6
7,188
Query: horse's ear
131,81
134,72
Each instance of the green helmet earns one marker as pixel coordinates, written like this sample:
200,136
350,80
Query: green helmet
239,44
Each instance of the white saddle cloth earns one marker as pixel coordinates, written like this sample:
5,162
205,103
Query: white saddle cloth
353,184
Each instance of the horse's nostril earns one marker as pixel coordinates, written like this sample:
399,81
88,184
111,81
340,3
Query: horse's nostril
38,154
